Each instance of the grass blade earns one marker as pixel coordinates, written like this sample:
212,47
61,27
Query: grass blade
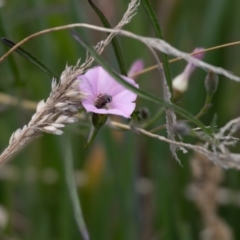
29,57
71,185
12,63
115,43
154,21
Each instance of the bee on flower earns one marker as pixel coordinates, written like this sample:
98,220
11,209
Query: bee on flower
104,95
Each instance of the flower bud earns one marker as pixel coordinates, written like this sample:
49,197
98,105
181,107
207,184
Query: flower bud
98,120
180,82
211,83
144,113
181,128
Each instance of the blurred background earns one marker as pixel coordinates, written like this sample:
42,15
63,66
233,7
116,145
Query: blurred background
130,187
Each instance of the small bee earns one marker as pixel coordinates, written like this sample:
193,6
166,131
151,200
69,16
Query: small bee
102,100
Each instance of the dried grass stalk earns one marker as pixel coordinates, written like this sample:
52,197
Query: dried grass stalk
224,159
171,118
154,43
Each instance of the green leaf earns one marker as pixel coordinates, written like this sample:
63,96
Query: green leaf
29,57
154,21
140,92
115,44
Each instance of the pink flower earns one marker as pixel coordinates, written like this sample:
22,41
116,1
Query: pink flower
104,95
136,67
180,82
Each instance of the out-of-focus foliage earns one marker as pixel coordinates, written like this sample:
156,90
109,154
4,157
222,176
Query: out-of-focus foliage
129,185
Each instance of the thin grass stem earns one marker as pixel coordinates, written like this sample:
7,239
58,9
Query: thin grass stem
71,185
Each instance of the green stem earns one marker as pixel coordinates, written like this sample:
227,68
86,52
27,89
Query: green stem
156,129
151,121
115,43
200,114
92,136
205,107
154,21
69,177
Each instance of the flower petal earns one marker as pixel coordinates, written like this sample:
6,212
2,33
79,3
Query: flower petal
87,89
87,86
92,77
124,110
107,84
125,96
91,108
127,79
136,67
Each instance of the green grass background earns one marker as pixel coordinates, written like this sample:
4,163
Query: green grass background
38,206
